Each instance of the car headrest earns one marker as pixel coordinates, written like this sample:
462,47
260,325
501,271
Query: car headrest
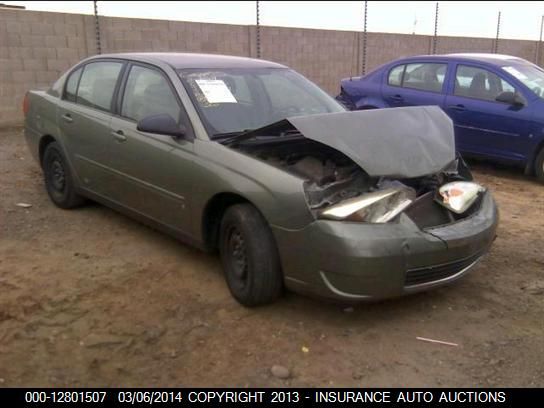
478,82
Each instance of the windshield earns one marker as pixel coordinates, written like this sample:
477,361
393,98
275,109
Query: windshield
236,100
532,77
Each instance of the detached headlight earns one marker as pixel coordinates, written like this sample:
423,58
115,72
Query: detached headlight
377,207
458,196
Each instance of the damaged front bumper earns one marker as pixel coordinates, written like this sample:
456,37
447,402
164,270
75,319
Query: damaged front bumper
352,261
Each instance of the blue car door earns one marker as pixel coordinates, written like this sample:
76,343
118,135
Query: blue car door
415,83
483,125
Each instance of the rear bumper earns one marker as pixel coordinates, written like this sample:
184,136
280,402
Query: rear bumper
357,262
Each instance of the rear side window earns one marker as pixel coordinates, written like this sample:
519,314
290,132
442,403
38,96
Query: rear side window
147,93
424,76
97,84
395,76
479,83
71,85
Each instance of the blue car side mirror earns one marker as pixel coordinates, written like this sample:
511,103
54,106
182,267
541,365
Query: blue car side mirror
511,98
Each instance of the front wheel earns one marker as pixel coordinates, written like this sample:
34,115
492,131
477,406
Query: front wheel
539,166
59,182
249,256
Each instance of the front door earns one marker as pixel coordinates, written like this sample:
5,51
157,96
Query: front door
153,172
484,126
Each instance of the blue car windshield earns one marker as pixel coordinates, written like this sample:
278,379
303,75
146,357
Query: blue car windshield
532,77
240,99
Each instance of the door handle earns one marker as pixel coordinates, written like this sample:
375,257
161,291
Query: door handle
397,98
67,118
119,136
458,107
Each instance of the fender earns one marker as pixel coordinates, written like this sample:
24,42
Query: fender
370,101
225,170
536,147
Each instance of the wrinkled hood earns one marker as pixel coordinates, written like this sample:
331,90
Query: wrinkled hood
394,142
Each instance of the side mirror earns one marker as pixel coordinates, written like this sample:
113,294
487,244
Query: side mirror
511,98
162,124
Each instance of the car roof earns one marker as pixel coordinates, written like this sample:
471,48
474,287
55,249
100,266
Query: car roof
179,60
493,59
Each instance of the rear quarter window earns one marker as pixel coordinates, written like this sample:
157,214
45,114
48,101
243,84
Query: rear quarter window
395,76
71,85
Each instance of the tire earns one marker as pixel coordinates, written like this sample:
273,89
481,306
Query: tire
539,166
59,182
249,256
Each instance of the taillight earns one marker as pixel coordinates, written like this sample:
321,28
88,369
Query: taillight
26,104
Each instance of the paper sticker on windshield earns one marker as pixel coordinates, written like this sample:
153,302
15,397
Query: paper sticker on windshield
513,71
216,91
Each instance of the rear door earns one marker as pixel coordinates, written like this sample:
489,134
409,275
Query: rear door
484,126
153,173
84,116
415,84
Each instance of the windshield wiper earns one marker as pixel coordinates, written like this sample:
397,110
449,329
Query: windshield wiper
229,137
281,129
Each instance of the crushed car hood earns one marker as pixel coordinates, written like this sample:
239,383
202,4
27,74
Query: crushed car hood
396,142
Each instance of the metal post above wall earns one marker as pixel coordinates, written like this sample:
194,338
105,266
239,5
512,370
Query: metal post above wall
97,27
435,37
364,37
496,45
539,46
258,31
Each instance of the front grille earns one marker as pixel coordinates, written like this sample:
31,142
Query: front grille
427,274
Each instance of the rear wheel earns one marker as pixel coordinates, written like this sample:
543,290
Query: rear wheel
249,256
539,166
58,178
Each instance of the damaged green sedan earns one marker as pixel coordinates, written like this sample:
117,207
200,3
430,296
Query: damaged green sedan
249,158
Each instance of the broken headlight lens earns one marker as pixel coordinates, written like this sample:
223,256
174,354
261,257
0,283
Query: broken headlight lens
376,207
458,196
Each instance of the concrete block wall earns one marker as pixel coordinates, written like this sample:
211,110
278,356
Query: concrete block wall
36,47
323,56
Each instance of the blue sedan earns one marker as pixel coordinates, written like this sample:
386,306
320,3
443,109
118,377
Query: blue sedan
495,101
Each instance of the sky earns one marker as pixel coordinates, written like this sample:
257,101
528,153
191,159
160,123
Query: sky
519,19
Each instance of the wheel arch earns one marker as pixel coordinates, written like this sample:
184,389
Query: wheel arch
370,103
530,164
213,213
45,141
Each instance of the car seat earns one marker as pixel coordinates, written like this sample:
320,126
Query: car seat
158,99
477,86
431,81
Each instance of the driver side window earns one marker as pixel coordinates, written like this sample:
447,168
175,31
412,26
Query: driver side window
479,83
147,93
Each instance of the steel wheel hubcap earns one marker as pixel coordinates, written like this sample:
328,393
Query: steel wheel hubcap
238,252
58,177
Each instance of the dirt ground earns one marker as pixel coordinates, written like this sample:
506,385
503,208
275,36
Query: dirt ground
91,298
